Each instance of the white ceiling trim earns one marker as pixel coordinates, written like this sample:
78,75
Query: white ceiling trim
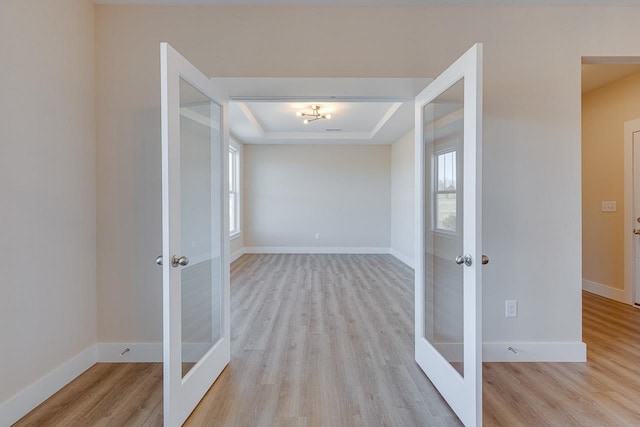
392,110
339,90
249,115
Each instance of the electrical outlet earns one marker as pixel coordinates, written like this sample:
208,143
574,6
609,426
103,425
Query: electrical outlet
511,308
317,236
609,206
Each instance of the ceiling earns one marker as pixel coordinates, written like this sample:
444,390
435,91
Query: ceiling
357,3
598,75
363,110
353,122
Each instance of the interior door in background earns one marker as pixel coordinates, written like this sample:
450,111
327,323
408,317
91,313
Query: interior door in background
636,213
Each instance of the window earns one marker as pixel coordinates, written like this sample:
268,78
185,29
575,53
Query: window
446,192
234,191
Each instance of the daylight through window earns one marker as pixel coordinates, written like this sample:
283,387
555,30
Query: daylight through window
446,192
234,191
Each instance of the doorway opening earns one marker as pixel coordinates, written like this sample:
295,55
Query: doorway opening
434,113
610,106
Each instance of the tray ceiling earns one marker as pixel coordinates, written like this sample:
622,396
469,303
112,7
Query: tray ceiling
275,122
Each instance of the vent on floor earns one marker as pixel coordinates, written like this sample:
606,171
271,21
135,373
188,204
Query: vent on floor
334,130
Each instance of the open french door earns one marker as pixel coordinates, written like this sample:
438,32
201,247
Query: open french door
195,246
448,280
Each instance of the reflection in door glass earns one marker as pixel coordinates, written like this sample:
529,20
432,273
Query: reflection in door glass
200,200
444,132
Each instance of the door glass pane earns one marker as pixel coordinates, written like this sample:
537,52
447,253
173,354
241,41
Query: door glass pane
443,133
200,199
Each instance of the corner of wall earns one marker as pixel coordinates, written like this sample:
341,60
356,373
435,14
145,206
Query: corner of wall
29,398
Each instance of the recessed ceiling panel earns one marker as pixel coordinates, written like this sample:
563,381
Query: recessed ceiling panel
276,122
280,117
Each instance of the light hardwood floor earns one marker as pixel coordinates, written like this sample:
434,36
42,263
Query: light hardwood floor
605,391
327,340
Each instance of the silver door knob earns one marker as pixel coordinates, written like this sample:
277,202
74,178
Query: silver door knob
177,261
159,260
485,260
466,260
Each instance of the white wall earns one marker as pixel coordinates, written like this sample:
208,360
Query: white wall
293,192
403,197
532,172
48,190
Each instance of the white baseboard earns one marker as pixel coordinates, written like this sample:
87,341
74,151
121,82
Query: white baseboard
401,257
526,351
534,352
138,352
145,352
26,400
237,254
313,250
605,291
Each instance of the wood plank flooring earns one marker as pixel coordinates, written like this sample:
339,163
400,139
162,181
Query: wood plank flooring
605,391
322,340
327,340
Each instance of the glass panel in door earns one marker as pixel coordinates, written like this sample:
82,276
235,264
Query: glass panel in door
444,291
201,279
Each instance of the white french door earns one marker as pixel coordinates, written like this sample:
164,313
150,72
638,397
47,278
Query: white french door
448,287
195,246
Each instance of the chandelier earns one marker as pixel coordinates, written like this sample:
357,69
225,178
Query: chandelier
313,115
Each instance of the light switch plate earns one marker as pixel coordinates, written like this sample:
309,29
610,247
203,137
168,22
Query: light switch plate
609,206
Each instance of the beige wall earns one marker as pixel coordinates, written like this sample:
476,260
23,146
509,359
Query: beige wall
532,174
293,192
403,197
604,111
47,195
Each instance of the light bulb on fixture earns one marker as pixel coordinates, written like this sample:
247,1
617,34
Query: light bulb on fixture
327,116
306,121
299,114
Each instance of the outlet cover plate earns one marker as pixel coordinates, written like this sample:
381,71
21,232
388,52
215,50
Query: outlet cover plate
511,308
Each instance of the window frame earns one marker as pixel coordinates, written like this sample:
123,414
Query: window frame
435,192
235,153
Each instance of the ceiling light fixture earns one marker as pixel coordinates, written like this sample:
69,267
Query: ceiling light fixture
314,115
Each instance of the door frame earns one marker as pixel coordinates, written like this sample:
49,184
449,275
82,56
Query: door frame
631,291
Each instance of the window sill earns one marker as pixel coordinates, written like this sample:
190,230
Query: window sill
235,235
